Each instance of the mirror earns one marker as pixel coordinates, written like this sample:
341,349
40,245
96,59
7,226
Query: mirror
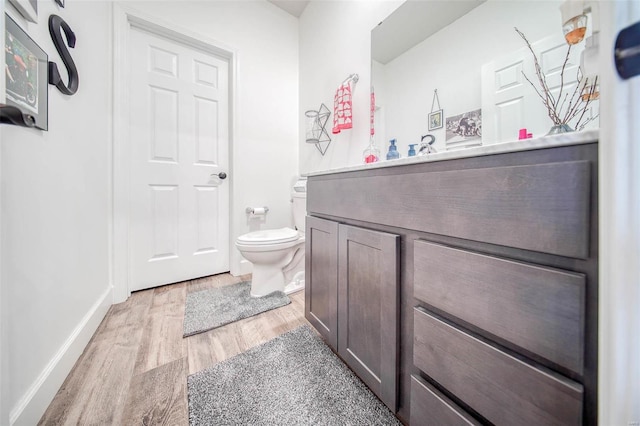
451,46
413,22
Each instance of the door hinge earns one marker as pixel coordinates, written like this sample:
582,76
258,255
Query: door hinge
627,51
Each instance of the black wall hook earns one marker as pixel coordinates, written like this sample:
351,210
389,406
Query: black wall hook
12,115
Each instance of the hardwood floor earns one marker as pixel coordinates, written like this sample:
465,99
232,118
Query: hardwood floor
134,370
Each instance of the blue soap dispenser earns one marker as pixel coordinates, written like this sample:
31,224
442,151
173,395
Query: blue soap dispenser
393,153
412,149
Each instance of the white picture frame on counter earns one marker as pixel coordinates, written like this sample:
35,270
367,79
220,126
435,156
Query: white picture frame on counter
464,130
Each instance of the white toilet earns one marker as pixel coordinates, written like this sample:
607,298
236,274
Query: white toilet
277,255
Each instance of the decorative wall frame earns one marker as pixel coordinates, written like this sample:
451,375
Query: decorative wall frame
26,74
435,120
27,8
435,117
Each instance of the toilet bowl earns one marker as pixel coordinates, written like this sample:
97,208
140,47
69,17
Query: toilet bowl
277,255
272,253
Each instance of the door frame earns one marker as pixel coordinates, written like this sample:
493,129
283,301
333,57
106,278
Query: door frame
619,228
125,18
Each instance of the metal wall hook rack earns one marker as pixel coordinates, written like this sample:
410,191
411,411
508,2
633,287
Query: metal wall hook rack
316,133
352,77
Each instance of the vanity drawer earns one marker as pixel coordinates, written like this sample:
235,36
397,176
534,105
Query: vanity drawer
539,309
539,207
430,407
501,388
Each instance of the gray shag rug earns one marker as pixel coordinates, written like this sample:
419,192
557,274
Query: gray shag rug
209,309
294,379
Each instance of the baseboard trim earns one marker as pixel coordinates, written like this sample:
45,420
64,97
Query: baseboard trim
35,401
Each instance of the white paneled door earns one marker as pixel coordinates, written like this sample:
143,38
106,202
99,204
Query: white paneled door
179,197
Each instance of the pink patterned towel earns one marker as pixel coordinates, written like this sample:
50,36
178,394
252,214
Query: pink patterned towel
342,117
372,112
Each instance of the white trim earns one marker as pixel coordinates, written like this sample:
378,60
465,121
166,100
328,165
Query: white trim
124,18
110,127
35,401
4,358
120,173
619,232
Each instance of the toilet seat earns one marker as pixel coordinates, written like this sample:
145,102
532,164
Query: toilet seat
269,236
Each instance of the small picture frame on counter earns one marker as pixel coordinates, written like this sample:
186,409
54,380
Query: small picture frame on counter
464,130
435,120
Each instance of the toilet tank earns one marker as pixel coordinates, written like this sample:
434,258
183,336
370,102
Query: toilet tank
299,203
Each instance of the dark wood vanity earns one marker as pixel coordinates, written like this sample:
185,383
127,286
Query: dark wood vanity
463,290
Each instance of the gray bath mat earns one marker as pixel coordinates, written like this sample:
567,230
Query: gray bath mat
208,309
294,379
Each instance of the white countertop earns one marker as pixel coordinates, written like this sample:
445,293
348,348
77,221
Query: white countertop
565,139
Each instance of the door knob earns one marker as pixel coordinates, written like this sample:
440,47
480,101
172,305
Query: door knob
221,175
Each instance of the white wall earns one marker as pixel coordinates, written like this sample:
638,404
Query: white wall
265,40
335,42
55,188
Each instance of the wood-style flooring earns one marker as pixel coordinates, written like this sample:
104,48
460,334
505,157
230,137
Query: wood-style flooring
134,370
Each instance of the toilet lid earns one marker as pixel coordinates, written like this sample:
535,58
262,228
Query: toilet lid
269,236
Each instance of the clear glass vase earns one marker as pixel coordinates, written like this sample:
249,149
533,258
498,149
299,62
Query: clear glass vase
371,154
560,128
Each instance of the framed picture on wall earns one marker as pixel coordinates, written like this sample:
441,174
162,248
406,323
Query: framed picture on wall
27,8
435,120
26,74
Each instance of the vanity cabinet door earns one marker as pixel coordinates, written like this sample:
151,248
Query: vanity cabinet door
321,277
368,289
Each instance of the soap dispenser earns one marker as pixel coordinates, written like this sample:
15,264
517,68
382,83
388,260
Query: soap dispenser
393,153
